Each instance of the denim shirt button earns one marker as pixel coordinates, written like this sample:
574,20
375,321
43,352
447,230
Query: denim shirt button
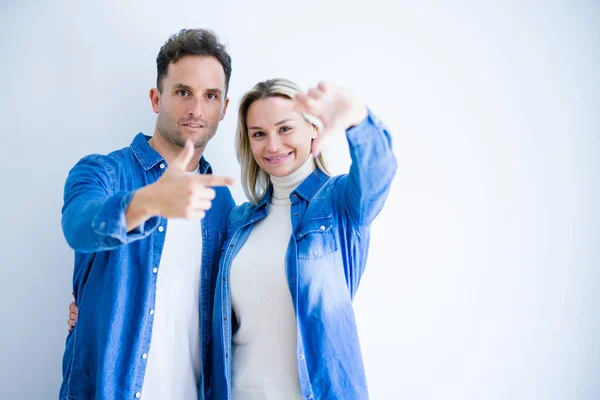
302,356
160,229
155,270
151,312
138,395
144,356
162,166
322,227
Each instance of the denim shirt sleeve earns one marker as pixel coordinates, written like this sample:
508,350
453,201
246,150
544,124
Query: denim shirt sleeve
93,214
367,184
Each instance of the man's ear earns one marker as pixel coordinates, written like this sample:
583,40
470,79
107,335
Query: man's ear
224,109
155,99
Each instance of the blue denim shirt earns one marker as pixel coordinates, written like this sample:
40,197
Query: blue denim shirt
114,280
325,260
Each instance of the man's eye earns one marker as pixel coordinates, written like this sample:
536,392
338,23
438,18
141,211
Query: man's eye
211,96
184,93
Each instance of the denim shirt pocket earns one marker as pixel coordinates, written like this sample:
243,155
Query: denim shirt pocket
317,238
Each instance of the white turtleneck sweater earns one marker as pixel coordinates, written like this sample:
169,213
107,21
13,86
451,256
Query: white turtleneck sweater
264,346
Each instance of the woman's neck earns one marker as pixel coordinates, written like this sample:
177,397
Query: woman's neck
284,185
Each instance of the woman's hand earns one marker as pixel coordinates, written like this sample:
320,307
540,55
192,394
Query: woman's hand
73,311
336,107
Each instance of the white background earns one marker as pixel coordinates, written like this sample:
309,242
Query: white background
484,273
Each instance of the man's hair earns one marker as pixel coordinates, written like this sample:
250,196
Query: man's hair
196,42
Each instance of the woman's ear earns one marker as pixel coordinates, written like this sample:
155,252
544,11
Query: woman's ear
315,131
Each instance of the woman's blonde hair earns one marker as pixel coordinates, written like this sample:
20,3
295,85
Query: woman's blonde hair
255,181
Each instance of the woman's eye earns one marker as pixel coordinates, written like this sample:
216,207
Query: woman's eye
285,129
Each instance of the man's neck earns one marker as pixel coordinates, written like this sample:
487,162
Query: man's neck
170,151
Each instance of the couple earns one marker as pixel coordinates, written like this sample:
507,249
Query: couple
183,295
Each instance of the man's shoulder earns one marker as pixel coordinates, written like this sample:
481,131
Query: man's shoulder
115,159
223,202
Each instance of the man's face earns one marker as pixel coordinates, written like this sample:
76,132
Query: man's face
192,101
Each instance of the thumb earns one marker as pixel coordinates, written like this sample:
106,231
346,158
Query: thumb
184,158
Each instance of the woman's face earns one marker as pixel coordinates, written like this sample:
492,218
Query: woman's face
280,138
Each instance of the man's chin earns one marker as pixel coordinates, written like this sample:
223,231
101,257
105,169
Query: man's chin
199,142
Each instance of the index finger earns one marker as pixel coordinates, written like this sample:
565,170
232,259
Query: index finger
213,180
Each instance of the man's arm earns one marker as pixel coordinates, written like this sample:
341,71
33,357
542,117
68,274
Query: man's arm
96,218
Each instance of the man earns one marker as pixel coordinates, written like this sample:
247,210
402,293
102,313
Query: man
145,265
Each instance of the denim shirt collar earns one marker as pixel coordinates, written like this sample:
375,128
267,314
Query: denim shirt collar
148,157
306,190
311,185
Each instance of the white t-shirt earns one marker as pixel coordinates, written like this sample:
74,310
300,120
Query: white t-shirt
174,358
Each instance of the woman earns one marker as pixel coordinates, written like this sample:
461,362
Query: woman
283,323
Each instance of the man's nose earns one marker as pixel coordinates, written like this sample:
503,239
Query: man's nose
196,109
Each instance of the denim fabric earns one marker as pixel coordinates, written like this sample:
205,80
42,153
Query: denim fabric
326,257
114,280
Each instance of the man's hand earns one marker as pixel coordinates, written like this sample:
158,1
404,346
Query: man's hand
176,194
336,107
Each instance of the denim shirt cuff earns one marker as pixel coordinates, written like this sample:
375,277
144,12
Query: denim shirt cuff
111,220
359,134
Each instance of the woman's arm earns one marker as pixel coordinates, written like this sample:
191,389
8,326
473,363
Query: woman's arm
364,190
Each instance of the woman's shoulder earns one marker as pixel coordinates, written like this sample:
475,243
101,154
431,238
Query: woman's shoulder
241,213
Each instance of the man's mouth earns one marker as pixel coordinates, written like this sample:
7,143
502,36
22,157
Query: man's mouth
195,126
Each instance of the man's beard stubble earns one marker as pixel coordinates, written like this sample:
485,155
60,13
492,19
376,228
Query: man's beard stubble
175,137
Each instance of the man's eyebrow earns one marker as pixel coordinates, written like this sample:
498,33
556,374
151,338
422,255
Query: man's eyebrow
180,86
283,121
